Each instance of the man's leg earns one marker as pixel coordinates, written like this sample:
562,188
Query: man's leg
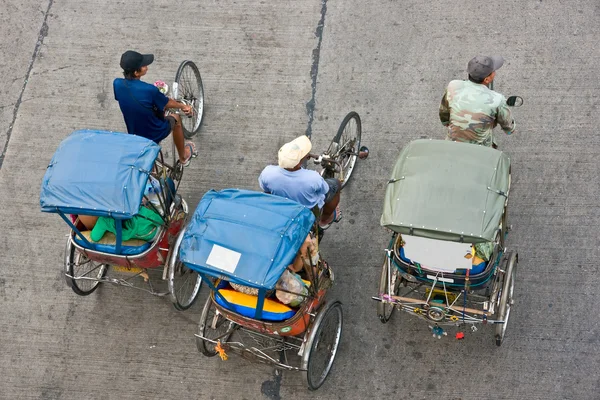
179,140
331,200
88,221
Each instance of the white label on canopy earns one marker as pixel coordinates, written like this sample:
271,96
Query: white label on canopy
437,255
223,258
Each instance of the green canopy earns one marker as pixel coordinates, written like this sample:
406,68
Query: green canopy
447,190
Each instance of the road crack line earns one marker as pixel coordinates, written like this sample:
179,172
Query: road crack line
314,71
41,35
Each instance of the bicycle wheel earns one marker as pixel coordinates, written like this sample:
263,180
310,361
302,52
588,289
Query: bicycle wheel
385,310
184,285
323,345
345,146
188,89
82,274
213,325
506,297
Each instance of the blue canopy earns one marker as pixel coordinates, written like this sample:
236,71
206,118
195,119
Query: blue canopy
98,173
244,236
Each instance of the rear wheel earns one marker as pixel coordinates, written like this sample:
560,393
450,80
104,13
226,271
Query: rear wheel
81,273
323,345
188,89
385,310
506,295
213,325
184,284
345,147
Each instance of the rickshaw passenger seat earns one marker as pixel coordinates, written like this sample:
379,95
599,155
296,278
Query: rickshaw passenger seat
245,304
109,241
475,269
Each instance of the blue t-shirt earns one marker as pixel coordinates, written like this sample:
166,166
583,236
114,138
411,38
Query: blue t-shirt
305,186
136,99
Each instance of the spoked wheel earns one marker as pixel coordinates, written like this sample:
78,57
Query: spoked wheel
213,325
184,284
506,295
189,90
81,273
385,310
322,345
345,146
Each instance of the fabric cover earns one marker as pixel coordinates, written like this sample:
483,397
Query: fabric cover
447,190
245,304
245,237
143,226
98,173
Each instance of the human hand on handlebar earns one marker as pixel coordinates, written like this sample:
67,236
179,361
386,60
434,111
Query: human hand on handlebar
317,158
187,109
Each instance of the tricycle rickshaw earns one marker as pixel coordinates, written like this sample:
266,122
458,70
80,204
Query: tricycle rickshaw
447,262
241,242
114,176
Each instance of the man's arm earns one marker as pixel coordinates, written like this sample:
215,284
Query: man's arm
175,104
262,183
322,186
445,110
504,117
115,89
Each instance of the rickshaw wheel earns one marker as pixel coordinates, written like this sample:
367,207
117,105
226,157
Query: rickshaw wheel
191,91
385,310
322,345
184,285
79,265
213,325
345,146
506,297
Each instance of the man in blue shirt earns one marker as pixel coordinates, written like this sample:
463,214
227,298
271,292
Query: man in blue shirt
305,186
143,106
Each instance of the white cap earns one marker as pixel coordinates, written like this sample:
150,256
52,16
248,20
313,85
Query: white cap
290,154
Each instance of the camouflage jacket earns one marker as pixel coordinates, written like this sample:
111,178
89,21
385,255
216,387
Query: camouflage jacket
471,111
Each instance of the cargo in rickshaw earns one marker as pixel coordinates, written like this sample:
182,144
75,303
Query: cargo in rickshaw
446,262
121,185
243,243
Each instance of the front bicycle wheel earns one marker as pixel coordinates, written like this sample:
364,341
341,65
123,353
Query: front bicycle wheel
188,89
345,146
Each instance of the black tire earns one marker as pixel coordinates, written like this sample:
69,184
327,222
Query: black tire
385,310
191,91
345,146
78,265
506,295
212,326
324,345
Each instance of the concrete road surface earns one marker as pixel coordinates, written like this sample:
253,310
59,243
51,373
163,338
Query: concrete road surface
273,71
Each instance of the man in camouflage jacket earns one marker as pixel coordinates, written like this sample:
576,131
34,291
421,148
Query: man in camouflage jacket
470,110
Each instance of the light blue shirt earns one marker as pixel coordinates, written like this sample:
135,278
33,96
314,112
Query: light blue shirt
305,186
